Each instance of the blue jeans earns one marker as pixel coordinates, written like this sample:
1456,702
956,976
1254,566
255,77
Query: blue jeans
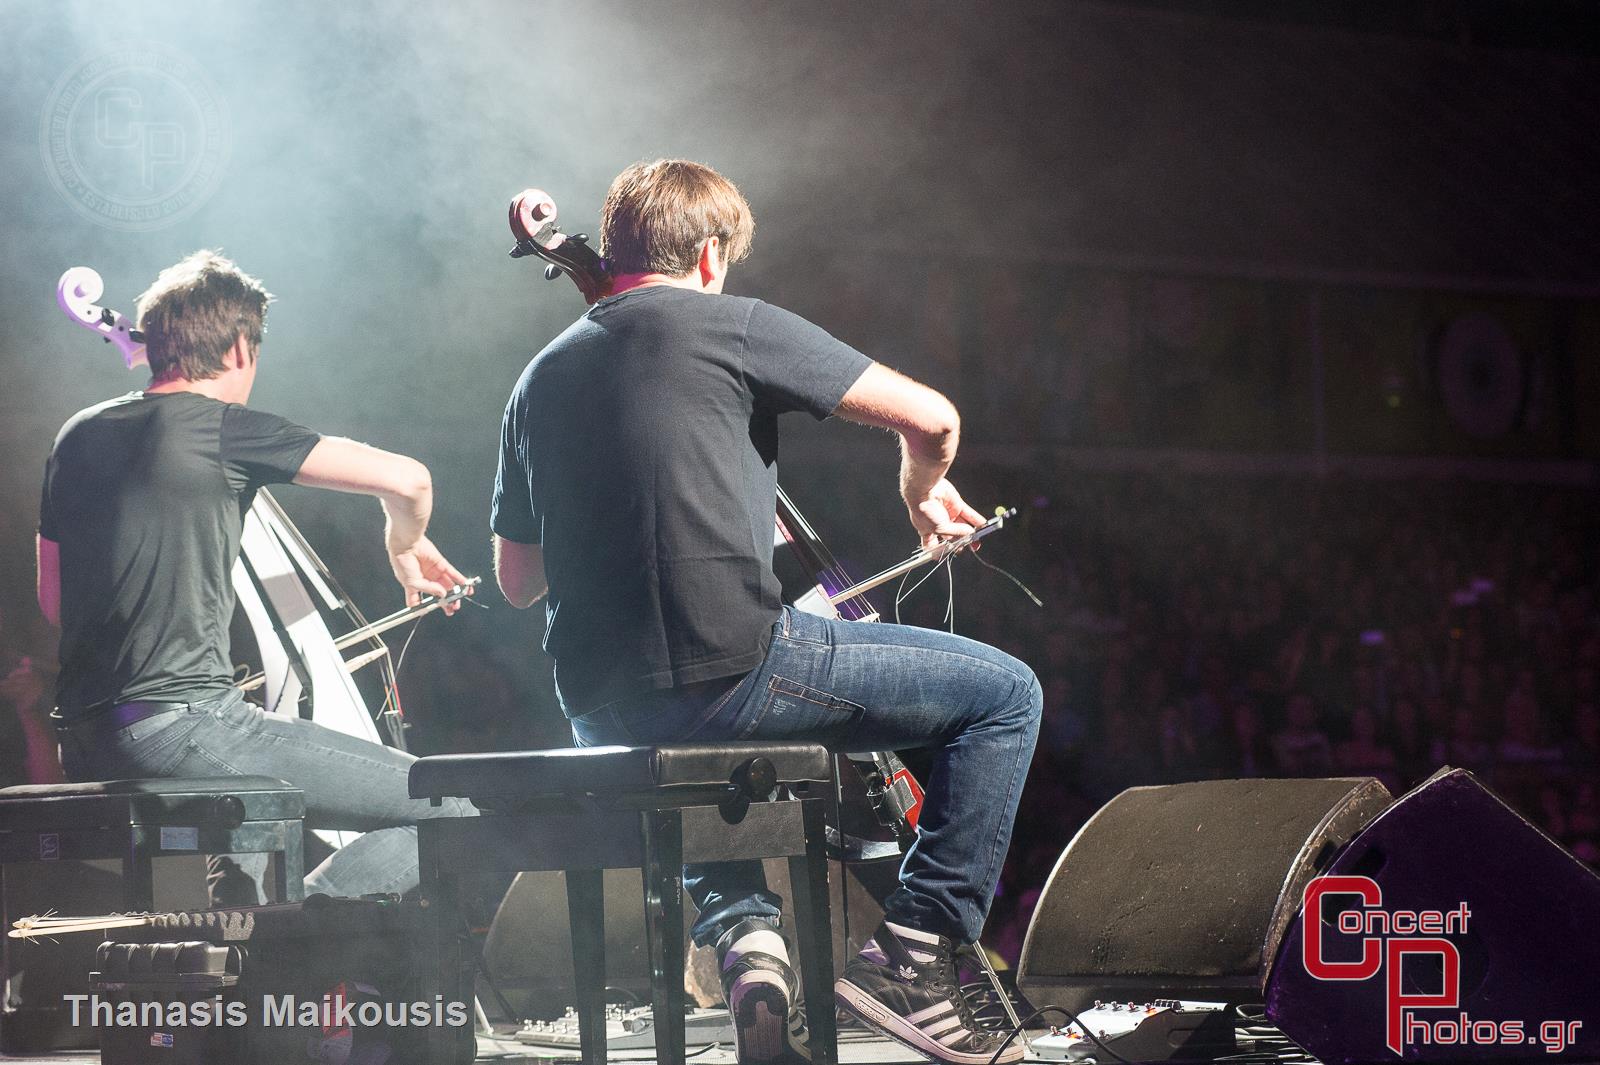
349,784
867,686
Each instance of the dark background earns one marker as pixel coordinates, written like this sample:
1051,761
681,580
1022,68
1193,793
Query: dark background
1186,267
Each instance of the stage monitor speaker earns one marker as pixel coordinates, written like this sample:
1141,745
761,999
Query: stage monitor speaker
528,954
1184,890
1526,953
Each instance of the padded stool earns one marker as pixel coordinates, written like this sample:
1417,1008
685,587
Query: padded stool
140,820
653,808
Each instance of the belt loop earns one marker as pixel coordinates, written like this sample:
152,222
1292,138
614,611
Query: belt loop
64,739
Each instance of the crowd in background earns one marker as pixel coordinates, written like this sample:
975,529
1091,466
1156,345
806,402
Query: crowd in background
1199,627
1193,627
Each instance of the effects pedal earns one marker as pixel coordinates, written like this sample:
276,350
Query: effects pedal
1166,1029
629,1029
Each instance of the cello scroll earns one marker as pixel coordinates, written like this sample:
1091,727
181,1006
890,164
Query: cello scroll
77,292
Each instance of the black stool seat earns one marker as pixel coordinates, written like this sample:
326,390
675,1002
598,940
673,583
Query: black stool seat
652,808
140,820
108,803
700,771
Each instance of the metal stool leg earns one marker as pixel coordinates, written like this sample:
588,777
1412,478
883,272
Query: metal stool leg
442,963
289,880
808,882
586,911
138,874
663,898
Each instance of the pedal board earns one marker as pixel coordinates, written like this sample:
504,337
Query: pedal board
1164,1030
628,1029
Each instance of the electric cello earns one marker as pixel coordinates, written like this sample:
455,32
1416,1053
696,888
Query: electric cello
878,777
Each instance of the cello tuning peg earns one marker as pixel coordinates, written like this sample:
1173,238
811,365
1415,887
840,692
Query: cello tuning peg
552,272
579,238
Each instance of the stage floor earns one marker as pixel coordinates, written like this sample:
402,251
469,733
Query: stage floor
855,1048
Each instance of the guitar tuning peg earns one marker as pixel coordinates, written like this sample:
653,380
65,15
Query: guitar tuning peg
580,238
552,272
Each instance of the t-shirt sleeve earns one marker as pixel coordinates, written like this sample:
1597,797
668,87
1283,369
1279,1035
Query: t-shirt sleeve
259,448
47,510
794,365
512,514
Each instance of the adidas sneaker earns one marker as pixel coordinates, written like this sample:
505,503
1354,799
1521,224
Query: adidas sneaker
904,984
762,993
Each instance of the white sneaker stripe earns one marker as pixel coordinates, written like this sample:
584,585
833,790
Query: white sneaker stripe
885,1020
942,1025
954,1037
938,1009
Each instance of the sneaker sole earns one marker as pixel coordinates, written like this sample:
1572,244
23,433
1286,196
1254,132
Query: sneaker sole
760,1012
891,1024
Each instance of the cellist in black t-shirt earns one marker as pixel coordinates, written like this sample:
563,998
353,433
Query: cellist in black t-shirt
139,527
636,494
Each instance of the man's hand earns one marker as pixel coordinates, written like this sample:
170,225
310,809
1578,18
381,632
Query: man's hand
942,515
25,687
28,691
422,570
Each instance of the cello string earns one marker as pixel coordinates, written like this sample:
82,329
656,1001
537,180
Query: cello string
817,559
392,692
856,606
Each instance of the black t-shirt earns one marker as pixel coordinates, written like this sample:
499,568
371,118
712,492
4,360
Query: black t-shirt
146,494
640,449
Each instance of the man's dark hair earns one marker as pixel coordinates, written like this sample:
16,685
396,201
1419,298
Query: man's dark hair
195,311
657,215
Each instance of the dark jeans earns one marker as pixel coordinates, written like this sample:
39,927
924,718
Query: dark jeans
860,686
349,784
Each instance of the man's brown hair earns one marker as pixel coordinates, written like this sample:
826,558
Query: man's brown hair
195,311
657,215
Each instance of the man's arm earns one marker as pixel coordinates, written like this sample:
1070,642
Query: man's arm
48,578
930,430
405,489
519,568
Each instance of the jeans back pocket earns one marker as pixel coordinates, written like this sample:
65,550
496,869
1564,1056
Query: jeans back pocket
791,710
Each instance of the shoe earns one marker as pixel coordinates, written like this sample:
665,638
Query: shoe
904,984
762,993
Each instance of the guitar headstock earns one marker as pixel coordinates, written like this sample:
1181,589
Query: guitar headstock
533,224
77,291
